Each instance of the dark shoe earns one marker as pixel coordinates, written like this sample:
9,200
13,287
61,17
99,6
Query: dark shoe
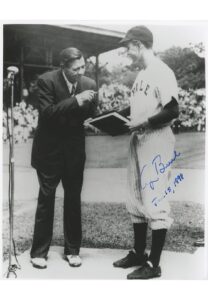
131,260
145,272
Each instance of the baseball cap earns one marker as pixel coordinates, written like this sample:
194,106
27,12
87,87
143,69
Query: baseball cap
138,33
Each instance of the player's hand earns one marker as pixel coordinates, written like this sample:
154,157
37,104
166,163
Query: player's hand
86,96
87,125
140,127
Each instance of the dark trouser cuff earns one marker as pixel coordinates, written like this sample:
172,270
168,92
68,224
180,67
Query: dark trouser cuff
71,252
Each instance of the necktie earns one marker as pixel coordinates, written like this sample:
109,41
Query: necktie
73,89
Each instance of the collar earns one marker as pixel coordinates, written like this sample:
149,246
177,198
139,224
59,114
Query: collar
69,84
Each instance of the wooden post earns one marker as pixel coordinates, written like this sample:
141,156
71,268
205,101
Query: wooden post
49,57
21,71
97,70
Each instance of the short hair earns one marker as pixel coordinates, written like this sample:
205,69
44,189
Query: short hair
68,55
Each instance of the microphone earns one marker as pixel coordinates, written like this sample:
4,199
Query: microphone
12,71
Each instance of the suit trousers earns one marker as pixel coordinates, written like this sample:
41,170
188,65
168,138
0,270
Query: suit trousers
72,180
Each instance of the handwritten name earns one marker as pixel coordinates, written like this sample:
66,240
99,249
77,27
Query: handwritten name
159,168
170,189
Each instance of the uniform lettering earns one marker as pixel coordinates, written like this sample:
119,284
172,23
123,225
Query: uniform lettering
141,85
135,88
147,88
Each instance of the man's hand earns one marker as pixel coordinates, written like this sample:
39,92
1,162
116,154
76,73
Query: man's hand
85,97
87,123
140,127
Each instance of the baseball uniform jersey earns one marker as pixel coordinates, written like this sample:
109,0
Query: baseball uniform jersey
153,88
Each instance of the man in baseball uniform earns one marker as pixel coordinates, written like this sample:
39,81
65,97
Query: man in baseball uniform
153,105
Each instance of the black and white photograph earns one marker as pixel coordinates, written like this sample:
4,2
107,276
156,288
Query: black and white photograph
103,144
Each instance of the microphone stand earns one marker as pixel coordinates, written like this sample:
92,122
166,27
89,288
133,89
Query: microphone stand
12,251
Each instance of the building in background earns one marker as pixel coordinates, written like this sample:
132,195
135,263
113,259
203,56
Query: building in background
35,48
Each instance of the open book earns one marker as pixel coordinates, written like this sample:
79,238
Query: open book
112,123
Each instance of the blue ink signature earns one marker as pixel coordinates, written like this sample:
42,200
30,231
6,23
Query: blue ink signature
159,168
169,190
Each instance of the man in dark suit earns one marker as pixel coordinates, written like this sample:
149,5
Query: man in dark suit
66,98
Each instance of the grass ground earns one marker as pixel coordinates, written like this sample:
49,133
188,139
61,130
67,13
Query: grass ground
107,225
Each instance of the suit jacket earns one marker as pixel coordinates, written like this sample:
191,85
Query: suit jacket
60,129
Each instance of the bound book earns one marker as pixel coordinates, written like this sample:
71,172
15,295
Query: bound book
112,123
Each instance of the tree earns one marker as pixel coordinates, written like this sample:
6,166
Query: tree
103,73
188,67
199,49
